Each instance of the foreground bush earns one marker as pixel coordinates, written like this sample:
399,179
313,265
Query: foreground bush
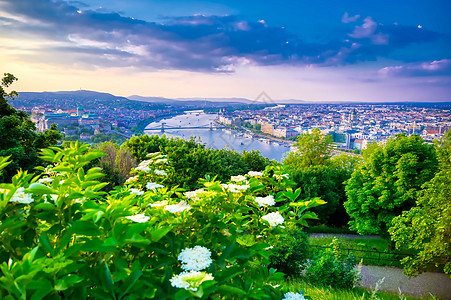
330,268
63,237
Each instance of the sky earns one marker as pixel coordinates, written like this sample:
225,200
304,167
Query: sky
324,50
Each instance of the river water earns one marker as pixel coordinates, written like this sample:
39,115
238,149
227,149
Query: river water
216,138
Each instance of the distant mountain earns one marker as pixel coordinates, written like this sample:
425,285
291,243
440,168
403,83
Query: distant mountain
153,99
73,99
228,100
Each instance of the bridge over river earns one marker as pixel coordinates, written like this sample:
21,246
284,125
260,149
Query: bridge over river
164,127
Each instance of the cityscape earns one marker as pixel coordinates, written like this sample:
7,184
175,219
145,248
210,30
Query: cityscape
199,149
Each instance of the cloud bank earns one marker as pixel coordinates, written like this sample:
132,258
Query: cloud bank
204,43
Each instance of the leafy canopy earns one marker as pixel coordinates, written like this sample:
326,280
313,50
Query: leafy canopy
427,226
388,182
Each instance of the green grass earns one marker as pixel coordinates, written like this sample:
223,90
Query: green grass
326,293
326,229
361,245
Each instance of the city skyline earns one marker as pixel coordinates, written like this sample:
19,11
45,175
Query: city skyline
323,51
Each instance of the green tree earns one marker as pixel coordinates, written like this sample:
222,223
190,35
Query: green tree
388,182
426,227
312,149
312,169
18,134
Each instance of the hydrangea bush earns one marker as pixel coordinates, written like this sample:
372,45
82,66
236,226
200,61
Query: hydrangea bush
61,236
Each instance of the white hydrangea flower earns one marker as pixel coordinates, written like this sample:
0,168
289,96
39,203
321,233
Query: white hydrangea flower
274,218
196,259
194,195
235,188
255,174
279,177
145,163
159,203
161,172
21,197
190,280
136,191
179,207
139,218
238,178
162,160
142,168
293,296
45,180
153,185
132,179
265,201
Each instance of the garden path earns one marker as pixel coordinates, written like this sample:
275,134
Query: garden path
438,284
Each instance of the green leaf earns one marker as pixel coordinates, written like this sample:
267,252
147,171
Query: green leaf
40,189
227,290
67,281
45,243
157,233
228,273
107,280
130,282
84,228
45,287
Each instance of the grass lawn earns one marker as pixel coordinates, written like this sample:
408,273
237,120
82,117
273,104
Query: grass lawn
325,293
360,247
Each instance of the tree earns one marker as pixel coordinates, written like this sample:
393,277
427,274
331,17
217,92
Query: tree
18,134
314,172
426,227
388,183
312,149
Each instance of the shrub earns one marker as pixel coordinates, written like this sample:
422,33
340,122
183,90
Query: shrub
63,237
330,268
289,255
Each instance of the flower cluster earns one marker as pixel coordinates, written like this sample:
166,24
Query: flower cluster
132,179
139,218
196,259
265,201
279,177
179,207
293,296
274,218
255,174
144,166
153,185
193,261
136,191
161,172
238,178
190,280
194,195
235,188
21,197
45,180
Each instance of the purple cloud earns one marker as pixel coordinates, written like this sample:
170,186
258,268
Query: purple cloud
434,68
196,43
348,19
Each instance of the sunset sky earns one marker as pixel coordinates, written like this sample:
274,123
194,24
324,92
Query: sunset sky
352,50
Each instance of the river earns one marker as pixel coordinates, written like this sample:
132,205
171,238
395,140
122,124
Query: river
216,138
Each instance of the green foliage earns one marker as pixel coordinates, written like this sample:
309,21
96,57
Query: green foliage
116,164
426,227
330,268
63,237
289,255
192,160
18,136
388,182
319,175
312,149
